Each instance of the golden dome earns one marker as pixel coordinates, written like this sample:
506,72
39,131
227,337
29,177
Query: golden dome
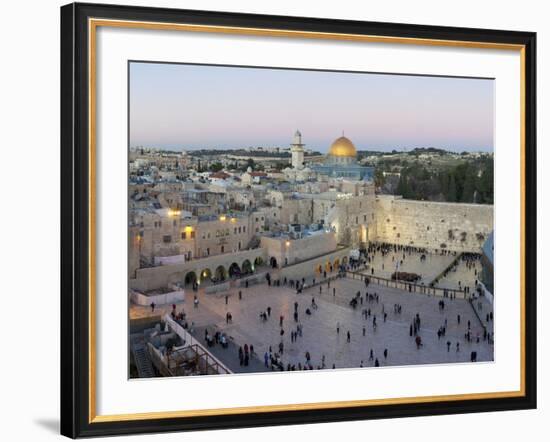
342,147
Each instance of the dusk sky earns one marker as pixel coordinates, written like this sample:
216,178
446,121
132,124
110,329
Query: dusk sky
190,107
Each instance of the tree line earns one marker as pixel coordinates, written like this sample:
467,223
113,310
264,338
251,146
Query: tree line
468,182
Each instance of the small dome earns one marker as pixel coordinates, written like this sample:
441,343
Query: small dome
342,147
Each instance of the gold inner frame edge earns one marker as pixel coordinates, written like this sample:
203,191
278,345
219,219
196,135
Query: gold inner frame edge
93,24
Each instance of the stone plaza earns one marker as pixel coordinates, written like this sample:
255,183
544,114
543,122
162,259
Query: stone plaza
330,310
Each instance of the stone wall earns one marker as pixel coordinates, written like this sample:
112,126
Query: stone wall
309,268
290,251
453,226
158,277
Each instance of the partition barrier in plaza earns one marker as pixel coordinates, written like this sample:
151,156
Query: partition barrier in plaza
409,286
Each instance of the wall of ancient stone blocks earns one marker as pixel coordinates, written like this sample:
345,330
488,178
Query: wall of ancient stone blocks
452,226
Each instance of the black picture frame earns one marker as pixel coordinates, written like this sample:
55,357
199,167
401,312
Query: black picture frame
75,220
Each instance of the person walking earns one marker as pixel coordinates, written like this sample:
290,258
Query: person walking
240,295
226,299
364,331
152,307
348,336
338,328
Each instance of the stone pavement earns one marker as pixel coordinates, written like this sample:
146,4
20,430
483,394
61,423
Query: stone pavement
230,355
385,265
319,330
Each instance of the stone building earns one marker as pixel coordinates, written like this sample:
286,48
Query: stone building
158,233
219,225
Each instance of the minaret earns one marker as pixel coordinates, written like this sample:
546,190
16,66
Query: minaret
297,149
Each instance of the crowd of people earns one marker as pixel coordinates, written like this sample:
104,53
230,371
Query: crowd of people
373,311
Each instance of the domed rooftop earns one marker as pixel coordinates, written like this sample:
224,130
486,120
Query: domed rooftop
342,147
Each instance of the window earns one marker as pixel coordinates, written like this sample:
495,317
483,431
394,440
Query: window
244,229
167,239
193,235
183,235
235,231
208,251
256,219
365,218
239,230
222,249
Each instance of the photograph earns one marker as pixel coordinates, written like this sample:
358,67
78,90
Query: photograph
286,219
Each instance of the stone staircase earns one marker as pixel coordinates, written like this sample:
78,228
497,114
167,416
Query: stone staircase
142,361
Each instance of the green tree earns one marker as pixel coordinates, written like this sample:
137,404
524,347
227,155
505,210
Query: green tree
470,185
216,167
403,187
451,194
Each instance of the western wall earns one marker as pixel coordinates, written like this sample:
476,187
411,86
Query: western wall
451,226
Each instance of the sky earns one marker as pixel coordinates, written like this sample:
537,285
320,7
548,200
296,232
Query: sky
179,106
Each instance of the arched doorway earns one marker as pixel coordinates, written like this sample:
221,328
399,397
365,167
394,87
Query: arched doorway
336,264
273,262
190,278
247,267
327,266
206,275
220,274
319,269
234,270
344,260
258,261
